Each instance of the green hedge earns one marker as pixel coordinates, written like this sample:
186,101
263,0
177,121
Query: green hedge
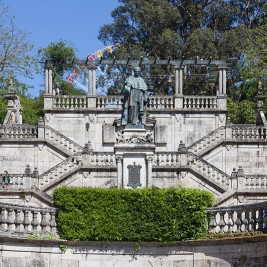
131,215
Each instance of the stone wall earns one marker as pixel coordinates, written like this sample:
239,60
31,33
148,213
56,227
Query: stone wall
14,156
54,253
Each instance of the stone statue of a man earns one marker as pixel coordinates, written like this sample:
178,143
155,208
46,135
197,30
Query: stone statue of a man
135,98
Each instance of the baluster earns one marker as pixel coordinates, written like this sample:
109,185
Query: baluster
212,223
26,222
245,221
53,222
252,220
44,221
230,222
10,220
35,222
3,219
238,221
221,221
18,220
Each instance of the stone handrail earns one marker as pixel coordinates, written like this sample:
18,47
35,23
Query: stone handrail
21,220
248,132
17,182
211,139
59,170
256,182
234,219
69,102
109,102
160,102
200,102
104,159
18,131
208,170
61,140
166,159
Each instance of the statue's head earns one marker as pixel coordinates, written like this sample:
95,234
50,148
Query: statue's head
137,71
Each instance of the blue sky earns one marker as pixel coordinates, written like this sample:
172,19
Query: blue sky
49,21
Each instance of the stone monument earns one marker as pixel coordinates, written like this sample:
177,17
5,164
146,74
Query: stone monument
134,149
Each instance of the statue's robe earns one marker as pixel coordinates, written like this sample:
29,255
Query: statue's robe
135,98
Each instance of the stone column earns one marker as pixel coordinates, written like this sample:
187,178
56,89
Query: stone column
119,171
41,129
222,81
91,96
92,80
178,94
149,159
48,96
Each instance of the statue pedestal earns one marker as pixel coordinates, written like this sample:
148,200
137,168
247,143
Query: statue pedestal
134,153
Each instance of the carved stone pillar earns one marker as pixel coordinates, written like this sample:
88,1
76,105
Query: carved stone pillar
92,80
149,159
179,73
119,171
222,81
178,94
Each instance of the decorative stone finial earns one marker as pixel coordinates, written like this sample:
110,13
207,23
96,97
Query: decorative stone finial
182,148
87,148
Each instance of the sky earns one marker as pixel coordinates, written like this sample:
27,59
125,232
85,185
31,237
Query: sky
76,21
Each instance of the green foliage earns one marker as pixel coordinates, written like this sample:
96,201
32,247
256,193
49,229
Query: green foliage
131,215
58,52
15,49
32,109
242,112
3,108
68,89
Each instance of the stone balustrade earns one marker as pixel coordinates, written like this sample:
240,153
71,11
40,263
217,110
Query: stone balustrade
18,132
209,171
208,141
69,102
17,182
101,159
21,220
160,102
235,219
200,102
62,169
254,182
166,159
109,102
248,132
61,140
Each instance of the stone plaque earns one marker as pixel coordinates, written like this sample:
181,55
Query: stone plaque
134,175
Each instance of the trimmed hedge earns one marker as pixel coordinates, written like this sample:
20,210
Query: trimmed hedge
131,215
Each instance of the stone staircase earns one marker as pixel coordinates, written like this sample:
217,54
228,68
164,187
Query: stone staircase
56,173
195,164
61,141
229,133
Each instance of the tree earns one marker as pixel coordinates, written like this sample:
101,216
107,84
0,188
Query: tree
59,53
15,58
220,29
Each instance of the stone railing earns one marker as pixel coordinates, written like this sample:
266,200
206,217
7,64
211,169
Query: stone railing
248,132
109,102
200,102
60,170
234,219
104,159
17,182
212,139
209,171
61,140
160,102
18,131
22,221
166,159
69,102
254,182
